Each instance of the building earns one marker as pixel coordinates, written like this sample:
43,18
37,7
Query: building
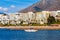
58,15
41,17
4,19
29,17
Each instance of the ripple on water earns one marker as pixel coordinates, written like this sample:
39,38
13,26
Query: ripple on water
7,34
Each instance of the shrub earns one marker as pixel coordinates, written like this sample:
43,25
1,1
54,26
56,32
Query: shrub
51,20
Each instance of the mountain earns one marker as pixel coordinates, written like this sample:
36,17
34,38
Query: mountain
43,5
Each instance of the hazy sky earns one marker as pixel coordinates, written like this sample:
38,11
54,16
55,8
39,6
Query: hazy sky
15,5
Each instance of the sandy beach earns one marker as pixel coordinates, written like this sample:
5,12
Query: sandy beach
32,27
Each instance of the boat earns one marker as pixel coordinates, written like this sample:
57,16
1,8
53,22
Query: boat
30,30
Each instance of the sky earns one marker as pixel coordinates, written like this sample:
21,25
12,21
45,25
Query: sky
12,6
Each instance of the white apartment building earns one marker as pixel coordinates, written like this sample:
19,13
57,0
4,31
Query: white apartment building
41,17
29,17
4,19
58,15
45,15
14,18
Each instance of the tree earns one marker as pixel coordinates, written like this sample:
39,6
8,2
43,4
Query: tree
51,20
21,23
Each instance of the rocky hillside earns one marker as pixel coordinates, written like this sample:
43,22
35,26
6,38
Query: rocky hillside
47,5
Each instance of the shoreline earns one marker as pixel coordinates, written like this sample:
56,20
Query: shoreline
31,27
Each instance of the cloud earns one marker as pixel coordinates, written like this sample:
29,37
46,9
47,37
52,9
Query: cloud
5,9
12,6
1,8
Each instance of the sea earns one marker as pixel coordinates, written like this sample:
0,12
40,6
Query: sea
8,34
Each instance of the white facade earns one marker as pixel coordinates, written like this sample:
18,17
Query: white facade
58,15
4,19
39,17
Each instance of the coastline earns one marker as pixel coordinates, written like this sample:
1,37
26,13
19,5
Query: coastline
32,27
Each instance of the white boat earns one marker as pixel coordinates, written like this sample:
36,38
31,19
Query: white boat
30,30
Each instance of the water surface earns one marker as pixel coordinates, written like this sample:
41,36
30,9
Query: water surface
6,34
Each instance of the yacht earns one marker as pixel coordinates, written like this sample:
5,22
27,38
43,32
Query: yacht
30,30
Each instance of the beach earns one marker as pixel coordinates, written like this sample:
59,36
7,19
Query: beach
32,27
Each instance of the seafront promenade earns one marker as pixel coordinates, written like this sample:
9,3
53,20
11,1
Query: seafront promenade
32,27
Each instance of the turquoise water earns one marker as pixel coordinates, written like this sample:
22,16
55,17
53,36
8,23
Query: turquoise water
6,34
